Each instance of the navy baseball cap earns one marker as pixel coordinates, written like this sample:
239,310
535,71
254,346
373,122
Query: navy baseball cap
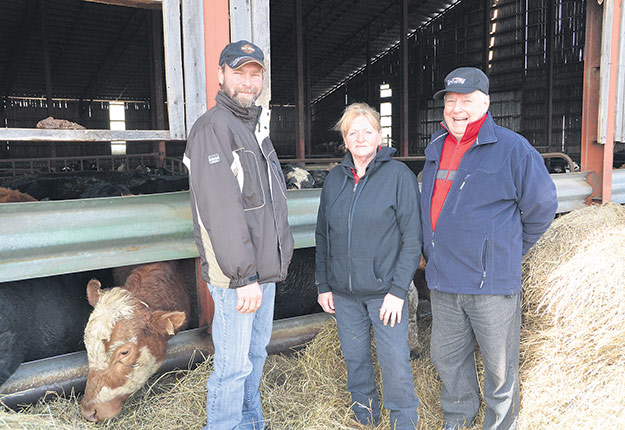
464,80
236,54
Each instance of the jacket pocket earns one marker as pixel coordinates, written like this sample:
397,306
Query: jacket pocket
465,260
364,279
252,191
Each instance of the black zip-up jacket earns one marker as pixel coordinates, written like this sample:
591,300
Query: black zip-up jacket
238,198
368,236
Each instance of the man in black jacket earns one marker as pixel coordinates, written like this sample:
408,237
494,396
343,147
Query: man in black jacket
238,200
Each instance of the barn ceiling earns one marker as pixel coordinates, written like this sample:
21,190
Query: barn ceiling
100,51
336,33
95,51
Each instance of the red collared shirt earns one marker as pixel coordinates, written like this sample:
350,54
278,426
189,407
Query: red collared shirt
453,151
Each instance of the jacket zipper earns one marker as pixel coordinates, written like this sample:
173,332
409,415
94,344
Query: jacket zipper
464,181
352,206
349,238
273,206
484,251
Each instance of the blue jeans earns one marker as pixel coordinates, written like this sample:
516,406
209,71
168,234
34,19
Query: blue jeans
354,318
233,399
458,320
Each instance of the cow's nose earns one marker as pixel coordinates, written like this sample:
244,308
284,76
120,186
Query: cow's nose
90,414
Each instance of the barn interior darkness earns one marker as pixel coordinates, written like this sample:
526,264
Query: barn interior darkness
352,51
70,58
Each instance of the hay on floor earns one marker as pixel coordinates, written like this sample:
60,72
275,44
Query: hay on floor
305,390
573,350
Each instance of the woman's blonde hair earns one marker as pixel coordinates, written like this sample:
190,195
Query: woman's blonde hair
355,110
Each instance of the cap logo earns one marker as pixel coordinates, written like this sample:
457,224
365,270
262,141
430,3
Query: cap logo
455,81
248,49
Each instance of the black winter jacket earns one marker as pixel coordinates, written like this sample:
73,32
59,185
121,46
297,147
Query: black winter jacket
368,236
238,198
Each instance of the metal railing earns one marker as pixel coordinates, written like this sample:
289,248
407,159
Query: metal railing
114,231
127,162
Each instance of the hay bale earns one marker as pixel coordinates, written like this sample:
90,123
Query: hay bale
573,358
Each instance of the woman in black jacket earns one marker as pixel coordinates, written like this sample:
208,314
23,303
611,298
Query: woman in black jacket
368,245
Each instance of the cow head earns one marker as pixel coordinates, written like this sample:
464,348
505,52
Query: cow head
126,343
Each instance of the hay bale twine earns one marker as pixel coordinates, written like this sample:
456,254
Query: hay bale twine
572,352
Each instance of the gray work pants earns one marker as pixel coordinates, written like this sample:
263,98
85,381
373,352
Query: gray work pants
458,321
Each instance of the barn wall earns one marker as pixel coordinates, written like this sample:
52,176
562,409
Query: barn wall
520,69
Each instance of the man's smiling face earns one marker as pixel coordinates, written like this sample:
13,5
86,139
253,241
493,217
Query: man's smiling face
462,109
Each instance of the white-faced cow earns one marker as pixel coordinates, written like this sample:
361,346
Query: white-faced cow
126,336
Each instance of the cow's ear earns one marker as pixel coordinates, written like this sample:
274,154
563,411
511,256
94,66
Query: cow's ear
167,323
93,292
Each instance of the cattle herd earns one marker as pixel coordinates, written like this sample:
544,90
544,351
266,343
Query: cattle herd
125,328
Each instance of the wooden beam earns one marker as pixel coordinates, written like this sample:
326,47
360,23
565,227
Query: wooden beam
300,132
216,37
549,38
57,135
173,68
307,107
403,95
142,4
156,68
43,17
194,65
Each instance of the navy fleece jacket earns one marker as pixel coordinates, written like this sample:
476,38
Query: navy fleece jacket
368,236
500,203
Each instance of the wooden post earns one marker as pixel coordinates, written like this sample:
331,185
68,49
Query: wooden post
403,95
216,37
549,75
300,132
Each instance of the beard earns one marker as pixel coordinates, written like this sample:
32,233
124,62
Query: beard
243,101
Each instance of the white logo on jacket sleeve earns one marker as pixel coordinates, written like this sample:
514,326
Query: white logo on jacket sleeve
213,159
237,169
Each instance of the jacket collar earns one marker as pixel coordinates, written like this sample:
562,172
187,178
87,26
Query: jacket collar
248,115
383,155
485,136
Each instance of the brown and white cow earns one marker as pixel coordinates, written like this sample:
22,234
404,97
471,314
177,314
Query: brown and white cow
126,336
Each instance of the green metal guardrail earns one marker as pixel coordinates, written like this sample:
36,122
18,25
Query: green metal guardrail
51,238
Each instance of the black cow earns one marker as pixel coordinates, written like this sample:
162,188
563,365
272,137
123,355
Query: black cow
297,294
42,317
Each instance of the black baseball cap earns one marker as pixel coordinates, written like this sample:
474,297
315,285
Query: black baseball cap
236,54
464,80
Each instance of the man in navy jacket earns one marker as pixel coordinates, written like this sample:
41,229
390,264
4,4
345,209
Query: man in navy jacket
486,198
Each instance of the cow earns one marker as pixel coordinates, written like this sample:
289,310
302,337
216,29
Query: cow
297,294
127,332
297,178
42,317
7,195
418,291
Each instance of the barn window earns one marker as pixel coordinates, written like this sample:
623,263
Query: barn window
386,114
117,118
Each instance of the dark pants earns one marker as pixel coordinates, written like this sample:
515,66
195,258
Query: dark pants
354,318
458,320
